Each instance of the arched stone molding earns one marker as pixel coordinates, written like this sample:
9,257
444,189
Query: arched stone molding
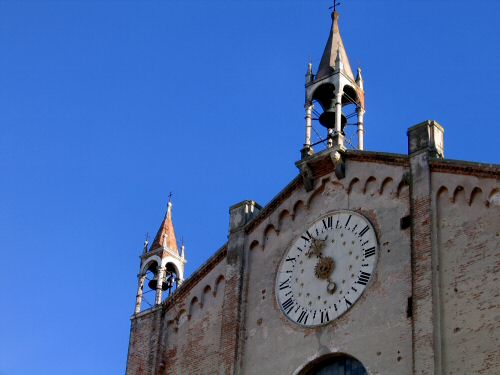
206,295
177,264
442,193
370,186
194,306
145,267
403,189
353,185
476,197
283,219
317,193
298,208
318,362
386,186
269,233
219,285
459,195
253,245
494,198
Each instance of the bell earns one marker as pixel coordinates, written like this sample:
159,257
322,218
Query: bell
327,118
154,283
169,282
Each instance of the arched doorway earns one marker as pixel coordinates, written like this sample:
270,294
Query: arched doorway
340,364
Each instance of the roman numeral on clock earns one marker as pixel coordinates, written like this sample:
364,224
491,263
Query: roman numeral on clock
363,278
328,222
348,303
290,260
303,317
288,304
285,284
347,222
363,231
324,317
369,252
308,238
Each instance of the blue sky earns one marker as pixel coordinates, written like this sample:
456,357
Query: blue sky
107,106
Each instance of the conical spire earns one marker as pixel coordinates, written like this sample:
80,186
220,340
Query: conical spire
334,47
166,235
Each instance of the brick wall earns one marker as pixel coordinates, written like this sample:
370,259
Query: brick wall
469,252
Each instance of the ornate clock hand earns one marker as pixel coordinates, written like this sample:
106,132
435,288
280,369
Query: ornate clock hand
317,246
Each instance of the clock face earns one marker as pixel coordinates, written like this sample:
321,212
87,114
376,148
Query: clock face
327,268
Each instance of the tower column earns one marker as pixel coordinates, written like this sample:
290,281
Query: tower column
336,138
307,150
338,112
361,128
159,285
138,298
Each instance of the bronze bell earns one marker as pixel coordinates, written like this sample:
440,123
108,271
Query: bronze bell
154,283
169,281
327,118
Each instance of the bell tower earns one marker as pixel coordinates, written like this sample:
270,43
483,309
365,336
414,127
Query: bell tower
335,92
162,265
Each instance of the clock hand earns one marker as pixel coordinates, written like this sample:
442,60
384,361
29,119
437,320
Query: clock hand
317,247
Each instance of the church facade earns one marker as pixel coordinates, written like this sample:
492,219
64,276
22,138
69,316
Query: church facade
366,263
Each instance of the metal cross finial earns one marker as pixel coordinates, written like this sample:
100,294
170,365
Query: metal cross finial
146,243
335,4
170,197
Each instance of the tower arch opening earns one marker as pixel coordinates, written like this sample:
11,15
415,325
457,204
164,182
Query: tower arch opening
171,279
146,292
334,364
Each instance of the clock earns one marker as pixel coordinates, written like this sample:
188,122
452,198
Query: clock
327,268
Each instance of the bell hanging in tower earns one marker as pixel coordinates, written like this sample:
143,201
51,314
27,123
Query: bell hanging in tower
153,284
328,117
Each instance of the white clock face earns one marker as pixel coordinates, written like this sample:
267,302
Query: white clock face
327,268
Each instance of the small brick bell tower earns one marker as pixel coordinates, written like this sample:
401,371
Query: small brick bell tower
162,262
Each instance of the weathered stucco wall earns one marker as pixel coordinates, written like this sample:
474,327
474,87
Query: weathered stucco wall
376,330
468,244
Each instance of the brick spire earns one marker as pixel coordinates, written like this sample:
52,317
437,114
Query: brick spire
166,235
334,47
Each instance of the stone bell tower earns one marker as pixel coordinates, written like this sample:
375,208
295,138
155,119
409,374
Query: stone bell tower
333,89
162,262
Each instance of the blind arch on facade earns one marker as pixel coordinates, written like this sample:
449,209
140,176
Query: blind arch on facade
335,365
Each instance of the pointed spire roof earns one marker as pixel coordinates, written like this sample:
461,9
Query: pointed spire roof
166,235
334,47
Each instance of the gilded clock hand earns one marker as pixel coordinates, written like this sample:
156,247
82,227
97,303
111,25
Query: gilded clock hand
317,246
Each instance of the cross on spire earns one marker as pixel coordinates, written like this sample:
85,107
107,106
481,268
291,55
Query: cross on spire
335,4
